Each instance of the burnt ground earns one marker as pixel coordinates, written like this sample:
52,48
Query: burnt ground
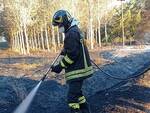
105,94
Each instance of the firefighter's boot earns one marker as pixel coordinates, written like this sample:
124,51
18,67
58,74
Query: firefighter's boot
85,108
83,105
74,108
75,111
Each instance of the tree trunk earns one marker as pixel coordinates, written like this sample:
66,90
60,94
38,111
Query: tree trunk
53,39
18,44
99,36
63,36
13,42
47,40
20,41
23,42
39,42
122,23
95,35
87,32
73,7
42,39
27,39
58,38
99,24
35,39
32,42
106,35
91,22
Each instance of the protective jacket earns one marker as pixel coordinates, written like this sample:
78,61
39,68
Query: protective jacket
76,61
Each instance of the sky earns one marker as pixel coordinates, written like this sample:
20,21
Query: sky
117,3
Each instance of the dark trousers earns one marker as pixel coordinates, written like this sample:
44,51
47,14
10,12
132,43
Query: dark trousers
75,92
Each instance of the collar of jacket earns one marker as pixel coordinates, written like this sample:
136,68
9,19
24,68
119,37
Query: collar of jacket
74,22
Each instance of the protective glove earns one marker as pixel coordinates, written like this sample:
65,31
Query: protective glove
56,69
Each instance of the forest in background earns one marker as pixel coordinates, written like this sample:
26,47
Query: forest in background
104,22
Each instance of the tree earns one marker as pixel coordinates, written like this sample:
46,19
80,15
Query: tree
29,28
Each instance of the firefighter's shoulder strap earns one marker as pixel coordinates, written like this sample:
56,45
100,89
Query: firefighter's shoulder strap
83,49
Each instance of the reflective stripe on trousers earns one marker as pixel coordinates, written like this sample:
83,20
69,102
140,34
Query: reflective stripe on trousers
79,73
81,100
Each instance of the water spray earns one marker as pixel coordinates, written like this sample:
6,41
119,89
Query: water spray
23,107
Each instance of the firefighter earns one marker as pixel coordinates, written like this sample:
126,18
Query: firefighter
76,60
